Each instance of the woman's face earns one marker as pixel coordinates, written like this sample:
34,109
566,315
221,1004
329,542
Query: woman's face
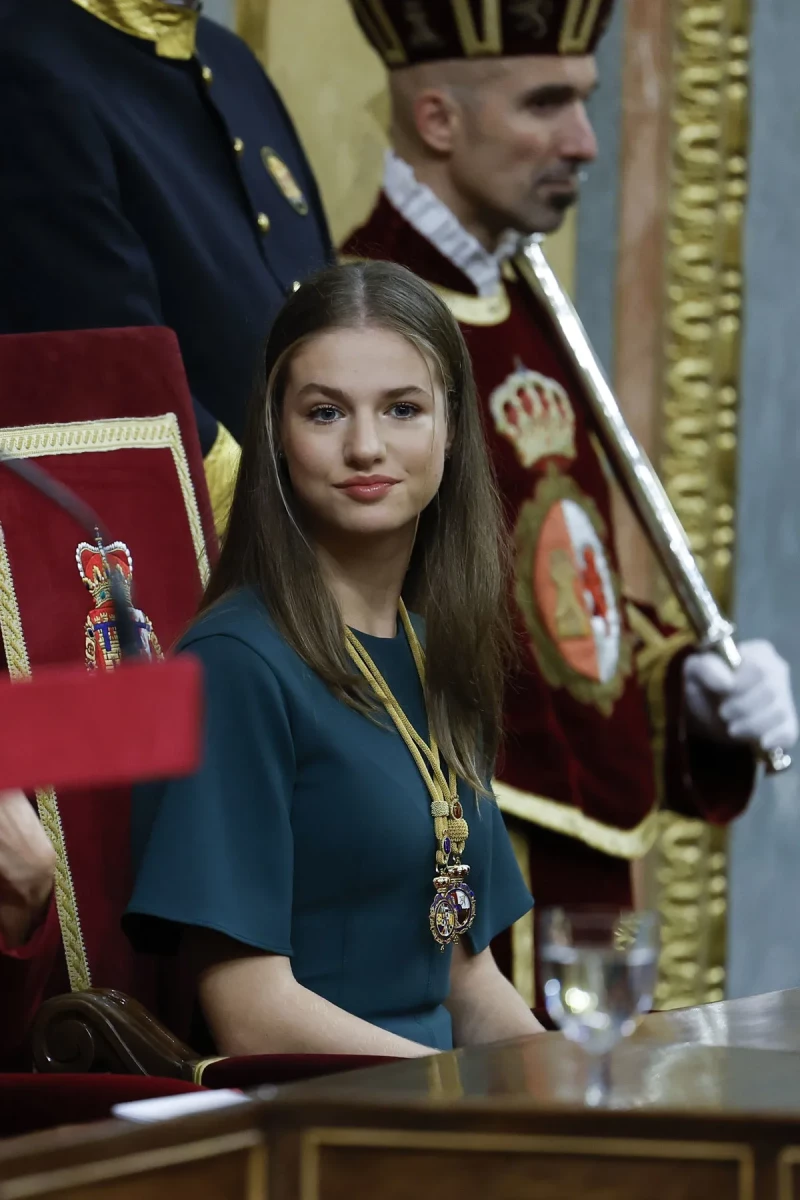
363,432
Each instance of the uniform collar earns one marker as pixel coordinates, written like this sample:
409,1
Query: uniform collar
426,213
172,27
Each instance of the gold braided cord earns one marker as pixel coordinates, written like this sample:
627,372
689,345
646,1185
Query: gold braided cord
430,771
443,792
438,786
46,802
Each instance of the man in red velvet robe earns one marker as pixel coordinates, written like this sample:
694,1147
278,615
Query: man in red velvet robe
609,717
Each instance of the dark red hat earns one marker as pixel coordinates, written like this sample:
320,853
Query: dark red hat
405,32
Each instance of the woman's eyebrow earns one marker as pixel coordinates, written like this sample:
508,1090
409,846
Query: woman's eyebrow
333,393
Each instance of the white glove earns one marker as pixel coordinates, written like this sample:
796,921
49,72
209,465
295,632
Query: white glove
752,705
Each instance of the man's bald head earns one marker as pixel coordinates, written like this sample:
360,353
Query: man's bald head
499,140
461,79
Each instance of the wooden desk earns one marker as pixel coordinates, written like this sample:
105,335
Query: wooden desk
706,1106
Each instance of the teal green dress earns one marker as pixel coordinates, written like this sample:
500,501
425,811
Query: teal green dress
307,832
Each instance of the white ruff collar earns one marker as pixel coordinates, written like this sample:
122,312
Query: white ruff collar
426,213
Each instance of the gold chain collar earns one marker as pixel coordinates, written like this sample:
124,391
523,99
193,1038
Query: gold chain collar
452,910
172,27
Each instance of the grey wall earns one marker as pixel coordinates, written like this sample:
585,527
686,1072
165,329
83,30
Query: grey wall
764,928
220,10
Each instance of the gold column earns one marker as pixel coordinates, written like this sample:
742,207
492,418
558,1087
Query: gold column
701,353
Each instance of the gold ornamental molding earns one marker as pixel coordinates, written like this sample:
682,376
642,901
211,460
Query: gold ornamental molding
701,366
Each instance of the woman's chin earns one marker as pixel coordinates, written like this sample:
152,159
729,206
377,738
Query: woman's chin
372,522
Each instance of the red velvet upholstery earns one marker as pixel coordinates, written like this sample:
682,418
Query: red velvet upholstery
107,413
32,1102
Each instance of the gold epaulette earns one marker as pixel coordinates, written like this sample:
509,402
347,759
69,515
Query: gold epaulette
221,468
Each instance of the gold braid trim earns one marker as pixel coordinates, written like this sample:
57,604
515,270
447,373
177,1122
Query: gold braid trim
221,468
563,818
46,802
146,433
82,437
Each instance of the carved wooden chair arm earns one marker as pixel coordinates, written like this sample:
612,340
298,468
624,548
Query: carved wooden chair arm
103,1030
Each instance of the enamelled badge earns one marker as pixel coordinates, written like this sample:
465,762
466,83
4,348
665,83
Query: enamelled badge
452,910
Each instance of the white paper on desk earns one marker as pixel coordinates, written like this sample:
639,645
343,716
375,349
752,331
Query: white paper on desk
168,1108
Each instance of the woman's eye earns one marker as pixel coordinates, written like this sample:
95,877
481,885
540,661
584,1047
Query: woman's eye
324,414
404,409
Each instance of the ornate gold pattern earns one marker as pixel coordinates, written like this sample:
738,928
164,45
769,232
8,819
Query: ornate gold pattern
16,652
173,27
702,320
81,437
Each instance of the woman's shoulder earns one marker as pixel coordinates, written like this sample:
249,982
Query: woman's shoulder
239,620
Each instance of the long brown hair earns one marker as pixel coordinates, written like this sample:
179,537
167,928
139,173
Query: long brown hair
456,579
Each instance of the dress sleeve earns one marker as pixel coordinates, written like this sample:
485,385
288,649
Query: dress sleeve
215,849
501,896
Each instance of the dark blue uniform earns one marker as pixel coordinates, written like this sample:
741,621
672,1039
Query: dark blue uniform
134,190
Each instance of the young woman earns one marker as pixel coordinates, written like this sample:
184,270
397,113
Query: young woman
333,874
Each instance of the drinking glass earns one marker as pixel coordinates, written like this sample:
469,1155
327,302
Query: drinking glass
599,976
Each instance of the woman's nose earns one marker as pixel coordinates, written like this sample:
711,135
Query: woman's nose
364,443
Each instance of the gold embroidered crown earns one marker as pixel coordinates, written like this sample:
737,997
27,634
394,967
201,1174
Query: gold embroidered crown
92,561
535,414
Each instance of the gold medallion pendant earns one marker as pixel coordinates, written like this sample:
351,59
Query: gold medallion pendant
452,910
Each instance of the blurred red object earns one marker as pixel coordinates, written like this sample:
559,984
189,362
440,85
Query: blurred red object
151,713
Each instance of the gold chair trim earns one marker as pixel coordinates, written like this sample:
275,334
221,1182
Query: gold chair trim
199,1068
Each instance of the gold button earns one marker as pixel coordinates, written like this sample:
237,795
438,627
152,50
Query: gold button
208,75
238,146
263,222
296,285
